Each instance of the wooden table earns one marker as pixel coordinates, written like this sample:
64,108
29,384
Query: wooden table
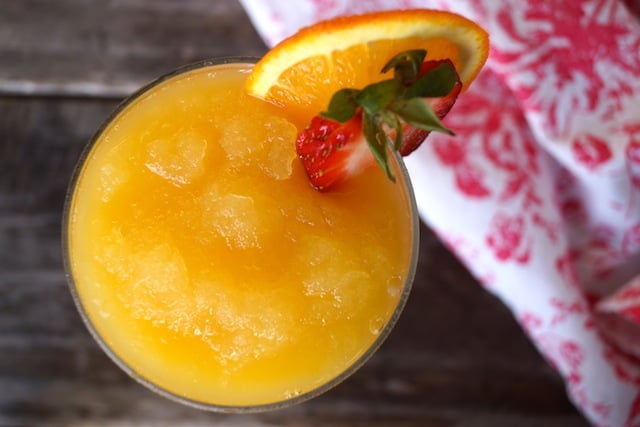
456,358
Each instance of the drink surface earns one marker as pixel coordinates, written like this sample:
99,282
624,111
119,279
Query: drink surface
208,265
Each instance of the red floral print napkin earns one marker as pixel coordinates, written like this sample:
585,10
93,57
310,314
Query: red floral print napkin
539,191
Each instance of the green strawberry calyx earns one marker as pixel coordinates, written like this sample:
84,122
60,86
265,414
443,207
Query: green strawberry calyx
388,104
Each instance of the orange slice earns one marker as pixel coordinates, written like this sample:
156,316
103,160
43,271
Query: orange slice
302,72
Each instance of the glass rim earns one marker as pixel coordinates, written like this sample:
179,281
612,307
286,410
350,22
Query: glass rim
401,177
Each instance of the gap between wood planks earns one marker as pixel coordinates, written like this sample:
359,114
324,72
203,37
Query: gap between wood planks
75,90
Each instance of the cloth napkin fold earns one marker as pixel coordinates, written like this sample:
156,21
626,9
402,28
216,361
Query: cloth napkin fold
539,191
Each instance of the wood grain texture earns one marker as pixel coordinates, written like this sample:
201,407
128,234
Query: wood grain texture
456,357
109,48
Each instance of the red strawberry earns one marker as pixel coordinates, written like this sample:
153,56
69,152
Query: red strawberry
412,137
332,152
358,128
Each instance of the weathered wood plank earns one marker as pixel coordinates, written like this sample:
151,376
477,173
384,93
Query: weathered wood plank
109,48
63,405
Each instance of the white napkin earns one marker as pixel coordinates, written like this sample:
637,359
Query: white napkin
539,191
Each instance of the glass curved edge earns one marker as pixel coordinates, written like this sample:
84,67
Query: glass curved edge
412,267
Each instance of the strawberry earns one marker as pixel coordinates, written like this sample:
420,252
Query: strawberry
362,124
332,151
412,137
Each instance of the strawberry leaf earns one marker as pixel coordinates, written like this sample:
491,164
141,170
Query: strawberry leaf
377,96
434,83
406,65
342,106
418,113
377,139
392,120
